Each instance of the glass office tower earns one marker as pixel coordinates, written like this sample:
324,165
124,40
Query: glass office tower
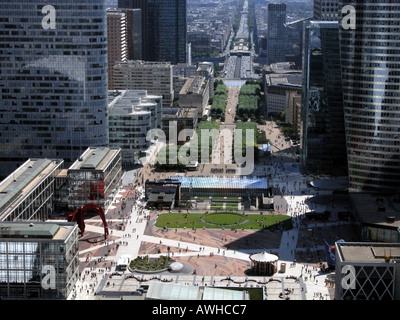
323,143
38,260
276,34
371,91
53,79
164,29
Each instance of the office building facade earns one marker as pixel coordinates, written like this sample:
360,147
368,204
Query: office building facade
38,260
133,113
367,271
117,36
27,193
326,10
154,77
371,94
53,84
323,144
95,177
164,29
276,34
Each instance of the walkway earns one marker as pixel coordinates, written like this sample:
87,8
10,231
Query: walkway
208,253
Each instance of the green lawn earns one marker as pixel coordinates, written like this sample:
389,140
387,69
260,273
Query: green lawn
222,220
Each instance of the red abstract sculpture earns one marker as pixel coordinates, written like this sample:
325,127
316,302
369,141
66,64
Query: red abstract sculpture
78,216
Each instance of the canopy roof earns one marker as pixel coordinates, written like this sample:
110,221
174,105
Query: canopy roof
264,257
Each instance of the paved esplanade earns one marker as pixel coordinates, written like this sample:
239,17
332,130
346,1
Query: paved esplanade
137,222
206,250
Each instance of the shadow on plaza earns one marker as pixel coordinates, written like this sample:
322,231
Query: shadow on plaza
267,239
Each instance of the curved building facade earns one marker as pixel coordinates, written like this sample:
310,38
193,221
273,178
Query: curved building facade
53,79
371,92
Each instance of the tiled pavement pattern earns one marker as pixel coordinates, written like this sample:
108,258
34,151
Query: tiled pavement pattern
213,254
218,254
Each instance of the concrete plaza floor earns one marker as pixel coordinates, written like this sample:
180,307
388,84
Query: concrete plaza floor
212,257
216,257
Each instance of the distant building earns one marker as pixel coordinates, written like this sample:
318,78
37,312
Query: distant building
132,114
117,47
134,33
154,77
276,34
278,94
38,260
181,72
278,79
189,53
195,94
323,145
164,29
327,10
293,111
28,192
200,42
294,43
206,69
176,119
95,177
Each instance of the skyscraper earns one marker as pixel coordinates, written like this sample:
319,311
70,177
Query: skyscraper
371,91
164,29
326,10
143,6
323,136
117,41
276,34
53,80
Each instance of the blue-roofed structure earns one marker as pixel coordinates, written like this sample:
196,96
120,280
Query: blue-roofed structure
223,186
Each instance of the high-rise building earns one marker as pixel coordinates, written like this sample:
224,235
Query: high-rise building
133,30
134,33
326,10
276,34
143,7
371,92
323,143
117,41
53,80
164,29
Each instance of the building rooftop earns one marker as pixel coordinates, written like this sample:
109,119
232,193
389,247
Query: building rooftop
376,210
35,230
130,97
23,180
223,182
194,85
172,291
95,158
367,251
